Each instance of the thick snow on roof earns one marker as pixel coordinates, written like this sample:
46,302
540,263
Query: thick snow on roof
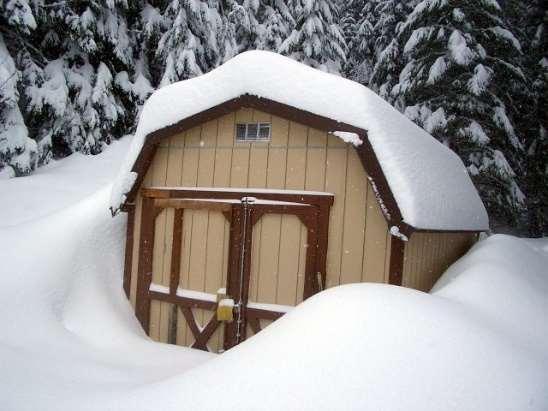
429,182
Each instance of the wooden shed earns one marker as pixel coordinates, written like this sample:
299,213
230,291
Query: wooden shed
255,186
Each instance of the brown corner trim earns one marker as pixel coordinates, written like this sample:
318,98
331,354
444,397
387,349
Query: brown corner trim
128,260
144,266
397,251
383,193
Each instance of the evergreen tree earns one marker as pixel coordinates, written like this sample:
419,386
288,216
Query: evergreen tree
362,39
387,48
351,12
527,21
317,39
75,101
193,43
460,58
148,27
17,150
261,25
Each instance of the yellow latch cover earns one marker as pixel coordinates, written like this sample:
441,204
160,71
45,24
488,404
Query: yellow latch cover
225,310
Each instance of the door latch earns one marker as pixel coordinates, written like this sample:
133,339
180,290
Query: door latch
225,310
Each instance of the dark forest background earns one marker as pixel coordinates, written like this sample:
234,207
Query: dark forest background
473,73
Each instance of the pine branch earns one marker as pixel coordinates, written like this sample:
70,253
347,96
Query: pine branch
8,79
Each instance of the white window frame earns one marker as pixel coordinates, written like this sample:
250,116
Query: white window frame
256,137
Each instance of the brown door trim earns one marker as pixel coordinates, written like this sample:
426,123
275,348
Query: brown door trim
311,208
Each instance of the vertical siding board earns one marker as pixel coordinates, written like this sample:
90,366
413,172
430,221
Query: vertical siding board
223,152
173,173
165,308
221,178
417,247
293,232
258,167
240,153
271,224
277,153
258,155
376,241
335,182
207,147
406,258
426,251
387,257
211,222
200,222
189,178
183,331
354,220
316,160
416,259
435,250
428,255
159,175
365,253
191,156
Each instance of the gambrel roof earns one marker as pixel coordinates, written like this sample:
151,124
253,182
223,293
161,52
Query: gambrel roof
420,183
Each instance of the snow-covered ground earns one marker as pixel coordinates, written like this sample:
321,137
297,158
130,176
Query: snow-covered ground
69,341
59,184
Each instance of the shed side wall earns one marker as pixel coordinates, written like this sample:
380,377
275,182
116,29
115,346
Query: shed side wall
428,255
298,158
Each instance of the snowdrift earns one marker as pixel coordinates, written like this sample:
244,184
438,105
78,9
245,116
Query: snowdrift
69,340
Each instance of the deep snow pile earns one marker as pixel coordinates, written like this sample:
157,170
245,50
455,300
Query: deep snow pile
70,342
59,184
428,180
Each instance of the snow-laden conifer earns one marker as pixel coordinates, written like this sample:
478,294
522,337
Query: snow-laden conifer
317,39
75,100
191,45
527,20
261,25
460,60
17,150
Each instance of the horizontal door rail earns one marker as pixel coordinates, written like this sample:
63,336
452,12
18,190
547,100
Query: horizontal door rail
293,196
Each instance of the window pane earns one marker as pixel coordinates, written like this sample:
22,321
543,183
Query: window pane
252,131
264,131
240,131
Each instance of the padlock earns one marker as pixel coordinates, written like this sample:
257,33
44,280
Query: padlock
225,310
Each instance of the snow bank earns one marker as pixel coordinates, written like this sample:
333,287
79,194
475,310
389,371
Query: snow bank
479,342
59,184
68,335
69,340
429,182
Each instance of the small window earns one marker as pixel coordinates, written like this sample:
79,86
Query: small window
253,131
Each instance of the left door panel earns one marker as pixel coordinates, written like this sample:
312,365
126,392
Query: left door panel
189,263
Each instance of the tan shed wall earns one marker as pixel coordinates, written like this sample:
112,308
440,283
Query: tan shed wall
428,255
297,157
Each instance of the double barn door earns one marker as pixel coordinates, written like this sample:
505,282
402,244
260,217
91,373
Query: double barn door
191,307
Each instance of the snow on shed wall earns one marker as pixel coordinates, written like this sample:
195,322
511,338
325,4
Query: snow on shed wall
429,182
298,157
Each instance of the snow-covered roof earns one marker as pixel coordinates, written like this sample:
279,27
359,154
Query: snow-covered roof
429,182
